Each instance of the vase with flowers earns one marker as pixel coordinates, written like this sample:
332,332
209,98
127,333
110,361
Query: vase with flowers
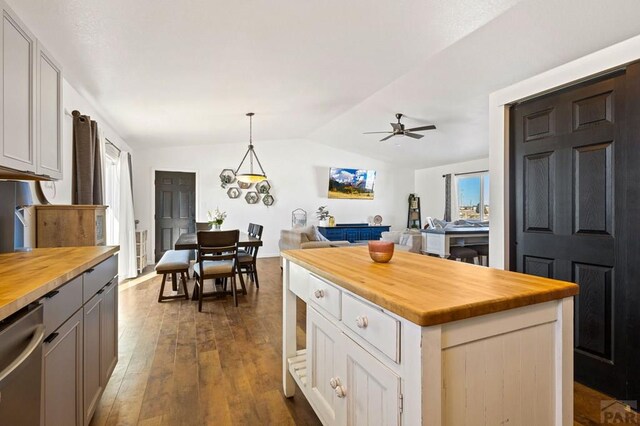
217,218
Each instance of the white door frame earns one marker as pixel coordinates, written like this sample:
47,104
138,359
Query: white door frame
152,238
587,67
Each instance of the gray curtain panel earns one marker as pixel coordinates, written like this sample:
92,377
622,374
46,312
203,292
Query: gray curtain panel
130,175
87,164
447,197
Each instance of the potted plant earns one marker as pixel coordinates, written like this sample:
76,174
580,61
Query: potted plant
217,218
323,216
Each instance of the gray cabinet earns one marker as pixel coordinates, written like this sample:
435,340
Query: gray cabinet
92,374
109,331
49,114
18,94
63,374
81,348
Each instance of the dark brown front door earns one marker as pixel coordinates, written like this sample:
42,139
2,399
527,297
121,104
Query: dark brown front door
571,158
175,208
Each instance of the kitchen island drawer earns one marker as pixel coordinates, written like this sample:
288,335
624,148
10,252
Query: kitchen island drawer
324,295
60,304
99,276
373,325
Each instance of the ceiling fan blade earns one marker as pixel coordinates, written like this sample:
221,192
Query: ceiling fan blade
388,137
396,126
414,135
418,129
372,133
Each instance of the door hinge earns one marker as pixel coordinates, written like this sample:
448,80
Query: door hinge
401,402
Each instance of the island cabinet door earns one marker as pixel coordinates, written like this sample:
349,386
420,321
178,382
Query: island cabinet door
323,353
369,392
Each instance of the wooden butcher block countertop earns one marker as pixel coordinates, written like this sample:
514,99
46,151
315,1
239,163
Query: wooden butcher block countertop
428,290
27,276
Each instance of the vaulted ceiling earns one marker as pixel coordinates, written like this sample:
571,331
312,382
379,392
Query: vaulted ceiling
184,73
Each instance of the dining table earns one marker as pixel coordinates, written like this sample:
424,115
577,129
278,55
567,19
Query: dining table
189,241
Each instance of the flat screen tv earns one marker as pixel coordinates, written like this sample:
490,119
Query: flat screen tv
351,183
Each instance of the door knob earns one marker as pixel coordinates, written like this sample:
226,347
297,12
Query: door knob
362,321
319,294
340,392
334,382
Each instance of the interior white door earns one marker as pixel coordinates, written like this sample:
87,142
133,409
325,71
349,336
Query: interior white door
371,391
17,126
323,340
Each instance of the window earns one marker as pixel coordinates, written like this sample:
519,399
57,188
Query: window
473,196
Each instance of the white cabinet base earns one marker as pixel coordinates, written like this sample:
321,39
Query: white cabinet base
512,367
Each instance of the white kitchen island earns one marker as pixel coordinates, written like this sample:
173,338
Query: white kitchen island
426,341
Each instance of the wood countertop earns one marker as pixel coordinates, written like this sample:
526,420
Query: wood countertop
27,276
428,290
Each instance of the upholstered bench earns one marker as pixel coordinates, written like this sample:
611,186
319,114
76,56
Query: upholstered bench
173,262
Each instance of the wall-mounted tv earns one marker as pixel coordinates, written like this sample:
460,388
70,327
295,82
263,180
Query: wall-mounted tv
351,183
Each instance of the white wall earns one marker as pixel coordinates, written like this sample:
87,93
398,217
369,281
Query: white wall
429,184
299,173
591,65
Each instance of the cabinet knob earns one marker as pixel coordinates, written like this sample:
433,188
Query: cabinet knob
319,294
334,382
362,321
340,392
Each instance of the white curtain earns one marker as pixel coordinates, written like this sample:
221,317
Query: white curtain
127,267
112,194
455,210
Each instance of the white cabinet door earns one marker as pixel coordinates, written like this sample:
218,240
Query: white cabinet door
17,115
323,352
49,106
371,391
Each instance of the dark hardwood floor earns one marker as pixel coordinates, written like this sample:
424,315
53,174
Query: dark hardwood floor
219,367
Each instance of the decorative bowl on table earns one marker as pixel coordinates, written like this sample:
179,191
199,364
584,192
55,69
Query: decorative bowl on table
381,251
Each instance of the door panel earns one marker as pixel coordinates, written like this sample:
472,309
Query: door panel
570,157
372,390
175,208
18,47
323,340
63,375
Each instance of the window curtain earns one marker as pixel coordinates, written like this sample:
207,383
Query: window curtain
127,267
447,198
87,161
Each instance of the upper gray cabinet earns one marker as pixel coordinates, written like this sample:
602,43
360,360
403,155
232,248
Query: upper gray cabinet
49,117
18,51
31,102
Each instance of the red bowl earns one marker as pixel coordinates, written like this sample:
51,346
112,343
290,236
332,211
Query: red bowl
381,251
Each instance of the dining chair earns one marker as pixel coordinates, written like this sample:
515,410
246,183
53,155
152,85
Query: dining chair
217,259
483,253
203,226
464,254
247,258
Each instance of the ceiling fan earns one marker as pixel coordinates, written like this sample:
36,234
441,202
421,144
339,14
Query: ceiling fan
399,130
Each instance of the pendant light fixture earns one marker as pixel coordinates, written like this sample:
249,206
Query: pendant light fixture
250,175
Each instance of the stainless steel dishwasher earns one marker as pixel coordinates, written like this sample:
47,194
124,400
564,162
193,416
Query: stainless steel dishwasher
21,337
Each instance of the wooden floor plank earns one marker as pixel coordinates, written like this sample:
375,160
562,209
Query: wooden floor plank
222,366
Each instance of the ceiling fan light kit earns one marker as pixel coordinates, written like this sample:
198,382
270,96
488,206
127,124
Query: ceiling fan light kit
399,130
250,175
